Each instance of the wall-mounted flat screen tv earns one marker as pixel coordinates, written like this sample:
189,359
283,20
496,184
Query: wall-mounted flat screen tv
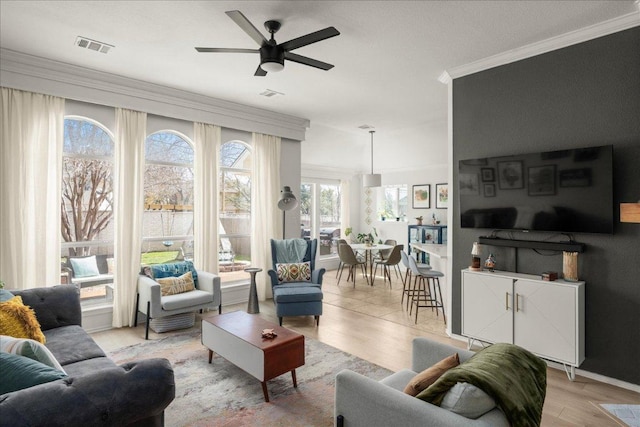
569,191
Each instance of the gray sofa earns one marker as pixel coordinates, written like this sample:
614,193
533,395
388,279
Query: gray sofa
96,391
362,401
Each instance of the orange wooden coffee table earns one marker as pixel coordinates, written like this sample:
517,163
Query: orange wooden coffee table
237,336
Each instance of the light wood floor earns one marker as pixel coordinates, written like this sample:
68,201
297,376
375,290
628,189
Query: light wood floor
370,323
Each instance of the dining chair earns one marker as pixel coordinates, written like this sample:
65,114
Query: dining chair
392,260
423,295
348,259
338,243
385,253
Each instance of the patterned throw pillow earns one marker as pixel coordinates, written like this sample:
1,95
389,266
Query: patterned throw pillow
294,272
29,348
19,320
176,285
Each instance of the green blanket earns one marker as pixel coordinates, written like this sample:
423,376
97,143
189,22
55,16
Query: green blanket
515,378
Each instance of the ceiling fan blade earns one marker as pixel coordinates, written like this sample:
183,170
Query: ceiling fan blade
260,72
307,61
225,50
310,38
246,26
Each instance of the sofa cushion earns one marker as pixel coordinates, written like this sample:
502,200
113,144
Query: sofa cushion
19,372
294,272
297,294
70,344
467,400
176,285
187,299
29,348
84,266
427,377
18,320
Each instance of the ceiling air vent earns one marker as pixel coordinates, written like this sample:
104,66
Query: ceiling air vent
86,43
269,93
366,127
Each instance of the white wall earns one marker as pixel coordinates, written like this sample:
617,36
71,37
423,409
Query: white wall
431,175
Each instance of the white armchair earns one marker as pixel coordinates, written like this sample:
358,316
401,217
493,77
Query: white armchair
151,302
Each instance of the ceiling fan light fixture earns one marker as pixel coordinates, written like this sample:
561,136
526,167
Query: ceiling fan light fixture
272,66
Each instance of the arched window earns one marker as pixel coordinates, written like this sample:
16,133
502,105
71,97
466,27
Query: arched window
235,211
87,209
167,228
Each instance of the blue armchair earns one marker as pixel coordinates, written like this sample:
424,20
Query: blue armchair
293,294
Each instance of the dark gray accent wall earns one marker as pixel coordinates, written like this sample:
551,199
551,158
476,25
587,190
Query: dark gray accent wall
583,95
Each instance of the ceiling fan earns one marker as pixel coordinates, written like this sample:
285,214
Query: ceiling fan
272,55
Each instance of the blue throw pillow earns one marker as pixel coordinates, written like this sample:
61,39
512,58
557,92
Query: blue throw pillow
85,266
174,269
5,295
19,372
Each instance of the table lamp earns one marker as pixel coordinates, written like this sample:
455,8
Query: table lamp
475,257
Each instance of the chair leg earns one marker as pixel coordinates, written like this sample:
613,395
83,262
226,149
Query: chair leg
135,319
280,319
339,265
317,320
220,309
146,332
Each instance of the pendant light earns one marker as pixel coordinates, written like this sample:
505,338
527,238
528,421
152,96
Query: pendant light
372,179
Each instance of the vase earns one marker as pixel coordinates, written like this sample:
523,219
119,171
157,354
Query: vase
570,266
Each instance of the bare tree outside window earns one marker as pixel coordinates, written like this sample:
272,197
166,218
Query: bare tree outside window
87,183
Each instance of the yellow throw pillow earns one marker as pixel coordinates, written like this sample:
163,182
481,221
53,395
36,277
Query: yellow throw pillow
19,320
176,285
427,377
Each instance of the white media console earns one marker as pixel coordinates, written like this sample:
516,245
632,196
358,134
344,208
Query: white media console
546,318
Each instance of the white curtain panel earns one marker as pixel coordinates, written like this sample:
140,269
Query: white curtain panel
205,230
265,216
345,212
131,131
32,131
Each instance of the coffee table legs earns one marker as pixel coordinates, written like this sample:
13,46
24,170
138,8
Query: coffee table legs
264,383
266,392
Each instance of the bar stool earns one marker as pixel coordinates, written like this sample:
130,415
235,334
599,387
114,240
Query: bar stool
423,297
406,280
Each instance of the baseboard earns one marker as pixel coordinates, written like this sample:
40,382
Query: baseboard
581,372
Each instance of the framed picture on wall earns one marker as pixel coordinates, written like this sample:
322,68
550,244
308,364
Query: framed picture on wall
422,196
442,196
488,174
489,190
542,180
510,175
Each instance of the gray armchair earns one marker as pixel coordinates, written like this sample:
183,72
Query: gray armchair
151,302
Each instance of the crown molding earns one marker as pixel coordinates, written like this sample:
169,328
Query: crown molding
600,29
32,73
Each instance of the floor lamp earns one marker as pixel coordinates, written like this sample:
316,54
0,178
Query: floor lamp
287,202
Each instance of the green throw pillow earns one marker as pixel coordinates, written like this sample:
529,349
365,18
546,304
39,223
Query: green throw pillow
20,372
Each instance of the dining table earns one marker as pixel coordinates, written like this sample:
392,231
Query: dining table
368,255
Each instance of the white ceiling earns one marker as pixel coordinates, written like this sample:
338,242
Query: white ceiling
387,59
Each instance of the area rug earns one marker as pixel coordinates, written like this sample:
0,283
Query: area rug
627,414
220,394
